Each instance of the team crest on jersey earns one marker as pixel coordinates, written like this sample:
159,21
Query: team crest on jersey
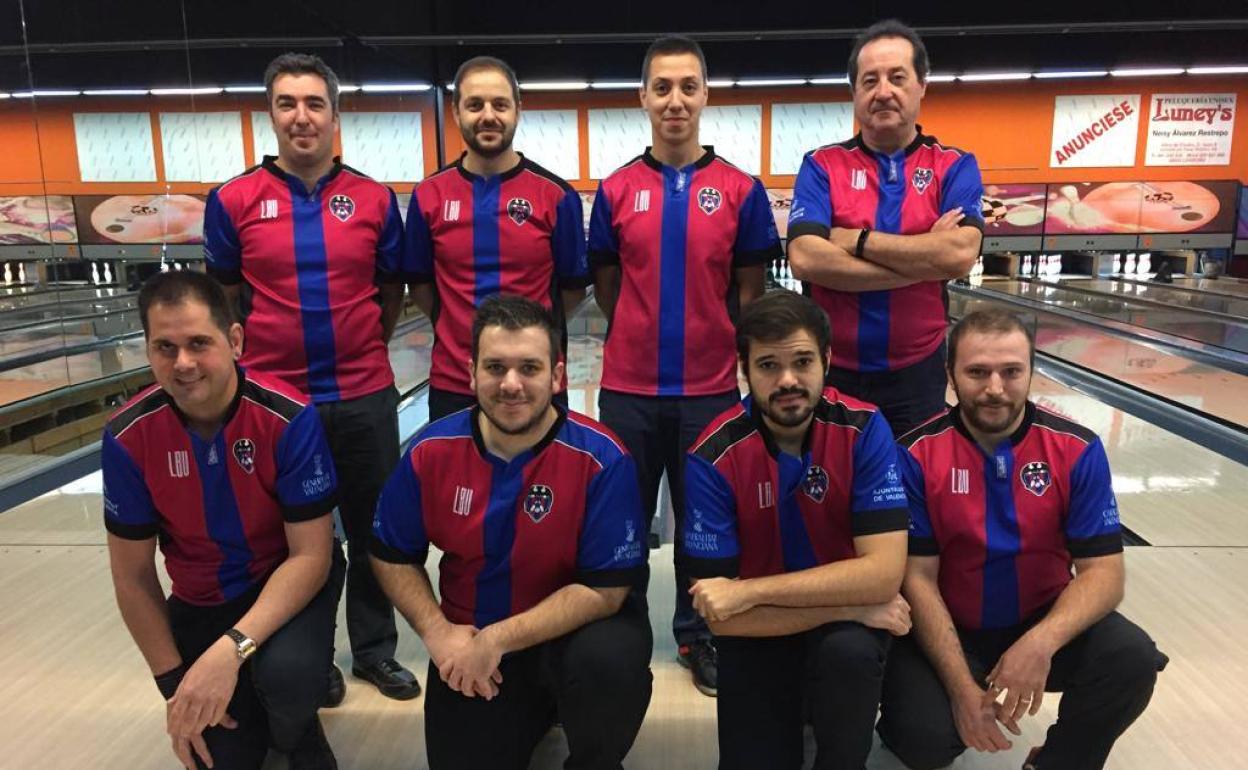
519,210
921,179
342,207
538,502
1036,477
709,200
816,483
245,454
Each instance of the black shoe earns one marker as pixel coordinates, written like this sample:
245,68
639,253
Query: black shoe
393,680
313,751
337,690
702,661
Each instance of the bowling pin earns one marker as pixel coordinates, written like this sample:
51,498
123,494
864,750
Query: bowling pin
1117,263
1026,269
108,272
164,266
21,272
1055,265
8,274
1129,267
95,273
1145,265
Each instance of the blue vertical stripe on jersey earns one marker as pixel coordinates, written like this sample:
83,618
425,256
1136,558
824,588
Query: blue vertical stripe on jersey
312,274
874,306
1000,593
672,248
486,261
222,519
798,552
499,532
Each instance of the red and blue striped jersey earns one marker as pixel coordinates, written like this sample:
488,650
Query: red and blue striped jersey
309,263
677,234
511,533
520,232
849,185
1007,525
219,505
752,510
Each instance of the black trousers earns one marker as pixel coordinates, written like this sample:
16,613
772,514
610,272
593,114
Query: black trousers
444,402
1106,677
838,669
363,435
595,680
906,397
280,687
658,431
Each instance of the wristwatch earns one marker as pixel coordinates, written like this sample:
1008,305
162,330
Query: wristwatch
244,645
862,242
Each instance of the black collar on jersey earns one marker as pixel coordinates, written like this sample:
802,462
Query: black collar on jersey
769,440
702,162
919,140
229,412
1029,416
270,164
503,177
535,450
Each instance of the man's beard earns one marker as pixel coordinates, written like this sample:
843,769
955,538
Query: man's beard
470,138
971,414
785,417
533,422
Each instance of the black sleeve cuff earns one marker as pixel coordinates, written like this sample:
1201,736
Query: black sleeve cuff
711,568
1101,545
612,578
974,222
169,681
225,277
603,259
924,546
757,256
808,228
876,522
575,282
131,531
416,277
309,511
393,555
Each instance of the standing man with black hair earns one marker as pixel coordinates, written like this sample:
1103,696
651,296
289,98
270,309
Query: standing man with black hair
311,251
678,239
879,223
493,221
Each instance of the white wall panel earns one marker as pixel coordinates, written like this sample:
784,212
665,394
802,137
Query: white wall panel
388,146
263,140
115,146
201,146
736,131
551,138
796,129
616,136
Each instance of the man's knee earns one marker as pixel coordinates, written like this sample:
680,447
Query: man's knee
921,751
1132,660
853,650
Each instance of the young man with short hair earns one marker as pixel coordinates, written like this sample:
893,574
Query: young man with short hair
795,536
1006,500
535,511
226,471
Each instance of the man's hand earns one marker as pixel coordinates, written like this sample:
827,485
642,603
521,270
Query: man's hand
975,715
447,640
1021,674
201,700
472,668
950,220
892,616
717,599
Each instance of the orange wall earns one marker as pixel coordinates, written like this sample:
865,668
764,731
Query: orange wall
1008,126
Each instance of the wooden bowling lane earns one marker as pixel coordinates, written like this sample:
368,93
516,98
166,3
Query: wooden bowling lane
1224,285
1176,296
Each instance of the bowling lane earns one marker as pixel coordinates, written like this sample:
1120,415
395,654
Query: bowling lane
56,294
82,309
1180,322
1224,286
1166,294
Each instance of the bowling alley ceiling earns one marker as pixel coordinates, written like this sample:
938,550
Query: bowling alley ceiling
48,45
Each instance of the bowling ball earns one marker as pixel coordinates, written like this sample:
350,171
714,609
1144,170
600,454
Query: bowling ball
150,219
1154,207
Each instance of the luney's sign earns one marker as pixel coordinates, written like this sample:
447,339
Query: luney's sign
1190,130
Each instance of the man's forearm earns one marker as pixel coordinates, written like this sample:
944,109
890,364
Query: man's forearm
607,289
818,261
571,300
287,591
934,256
1092,595
848,582
781,621
409,590
562,612
391,308
143,609
937,636
422,295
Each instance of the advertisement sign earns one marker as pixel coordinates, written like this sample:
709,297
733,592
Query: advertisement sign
27,219
1013,209
1190,130
134,219
1141,207
1095,131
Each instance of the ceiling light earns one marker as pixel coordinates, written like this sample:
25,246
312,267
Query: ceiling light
244,89
116,92
773,82
614,85
186,91
941,78
1237,69
555,85
988,77
1071,74
843,80
29,94
383,88
720,83
1146,72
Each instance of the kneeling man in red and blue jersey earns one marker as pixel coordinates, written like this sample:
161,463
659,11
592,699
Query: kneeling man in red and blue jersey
1005,498
796,533
537,514
229,473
